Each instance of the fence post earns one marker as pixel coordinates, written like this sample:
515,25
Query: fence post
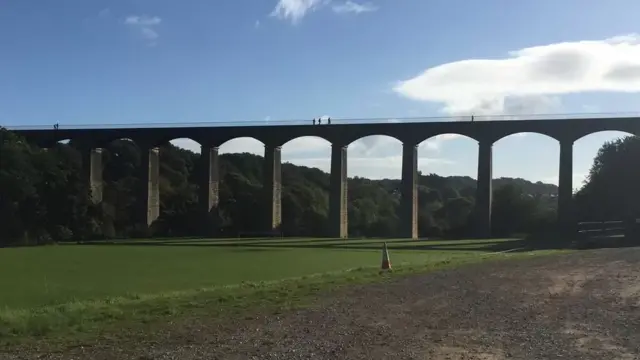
631,229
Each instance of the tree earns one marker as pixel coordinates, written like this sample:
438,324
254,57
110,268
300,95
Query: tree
513,210
611,189
457,211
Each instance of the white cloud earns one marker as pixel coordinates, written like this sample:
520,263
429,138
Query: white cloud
143,20
295,10
434,143
530,79
511,107
353,7
256,24
145,25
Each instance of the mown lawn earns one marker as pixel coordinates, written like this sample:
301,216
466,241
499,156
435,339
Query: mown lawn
52,275
79,288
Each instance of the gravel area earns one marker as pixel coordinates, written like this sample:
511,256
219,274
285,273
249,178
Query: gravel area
583,305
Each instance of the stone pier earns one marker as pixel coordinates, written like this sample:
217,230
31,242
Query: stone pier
209,189
338,199
273,186
484,191
565,188
409,202
149,185
92,166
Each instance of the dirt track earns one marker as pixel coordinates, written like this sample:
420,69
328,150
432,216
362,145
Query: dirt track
584,305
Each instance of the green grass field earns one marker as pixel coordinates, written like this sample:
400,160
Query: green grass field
53,275
53,288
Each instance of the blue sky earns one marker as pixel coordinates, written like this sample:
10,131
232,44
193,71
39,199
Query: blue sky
146,61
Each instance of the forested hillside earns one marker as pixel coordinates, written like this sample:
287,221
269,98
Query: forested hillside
43,197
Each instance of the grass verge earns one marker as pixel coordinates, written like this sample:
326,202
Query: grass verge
84,320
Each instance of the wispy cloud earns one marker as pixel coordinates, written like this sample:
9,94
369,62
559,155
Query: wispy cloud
143,20
353,7
295,10
145,25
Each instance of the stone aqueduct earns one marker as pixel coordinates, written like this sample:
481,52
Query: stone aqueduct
486,133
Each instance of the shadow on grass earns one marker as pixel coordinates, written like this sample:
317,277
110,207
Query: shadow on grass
279,242
255,250
531,243
396,244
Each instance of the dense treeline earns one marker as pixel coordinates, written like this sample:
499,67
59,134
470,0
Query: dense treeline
611,190
44,198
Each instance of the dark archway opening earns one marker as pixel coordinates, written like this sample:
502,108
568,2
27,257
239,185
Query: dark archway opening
306,164
447,164
525,185
374,168
120,183
241,196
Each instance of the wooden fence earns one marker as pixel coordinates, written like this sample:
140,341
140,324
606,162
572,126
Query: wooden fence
609,229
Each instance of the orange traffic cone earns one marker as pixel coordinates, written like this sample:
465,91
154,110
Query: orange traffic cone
386,263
